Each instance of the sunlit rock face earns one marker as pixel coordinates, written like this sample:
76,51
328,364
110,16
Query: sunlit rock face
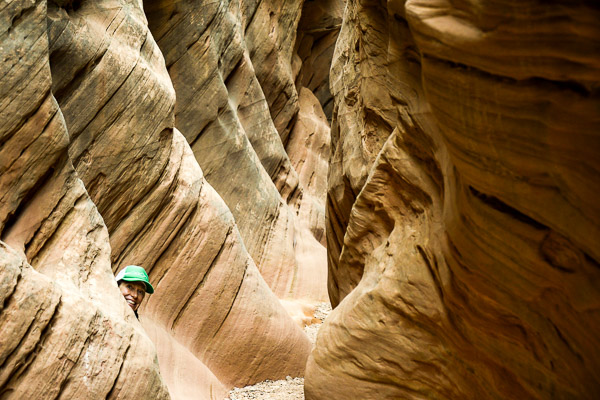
238,107
462,223
95,175
159,210
65,329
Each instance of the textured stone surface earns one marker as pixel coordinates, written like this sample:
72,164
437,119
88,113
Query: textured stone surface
61,343
192,138
318,31
159,210
237,106
309,149
66,330
363,119
94,175
462,224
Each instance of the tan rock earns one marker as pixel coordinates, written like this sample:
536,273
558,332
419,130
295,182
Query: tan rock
61,343
210,304
464,247
308,148
180,368
102,175
364,116
210,296
318,31
232,74
66,330
270,33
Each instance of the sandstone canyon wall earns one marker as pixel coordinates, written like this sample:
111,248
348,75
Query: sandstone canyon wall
463,224
237,105
454,195
95,175
65,332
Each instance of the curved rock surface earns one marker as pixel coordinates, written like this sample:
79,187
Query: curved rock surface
462,224
65,329
95,176
236,106
193,138
318,31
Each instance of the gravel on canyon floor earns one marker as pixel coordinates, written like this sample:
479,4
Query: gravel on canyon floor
285,389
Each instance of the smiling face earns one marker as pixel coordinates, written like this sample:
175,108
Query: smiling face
133,292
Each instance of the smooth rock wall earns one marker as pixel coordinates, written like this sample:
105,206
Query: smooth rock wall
158,208
237,104
462,222
65,329
95,175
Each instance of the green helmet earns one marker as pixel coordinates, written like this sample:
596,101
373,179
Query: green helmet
133,273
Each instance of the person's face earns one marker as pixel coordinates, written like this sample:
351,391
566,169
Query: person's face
133,292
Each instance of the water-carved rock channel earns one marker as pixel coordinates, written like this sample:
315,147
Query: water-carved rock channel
427,168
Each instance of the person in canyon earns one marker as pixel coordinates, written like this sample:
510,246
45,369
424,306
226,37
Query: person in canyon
134,283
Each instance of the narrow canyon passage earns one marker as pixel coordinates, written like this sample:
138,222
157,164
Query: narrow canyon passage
415,180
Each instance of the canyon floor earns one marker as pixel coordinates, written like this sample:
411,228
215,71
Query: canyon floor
285,389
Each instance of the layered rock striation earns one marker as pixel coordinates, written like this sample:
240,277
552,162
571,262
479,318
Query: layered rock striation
66,331
462,225
237,105
193,138
95,175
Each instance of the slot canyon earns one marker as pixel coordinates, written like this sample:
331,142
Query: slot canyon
426,167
